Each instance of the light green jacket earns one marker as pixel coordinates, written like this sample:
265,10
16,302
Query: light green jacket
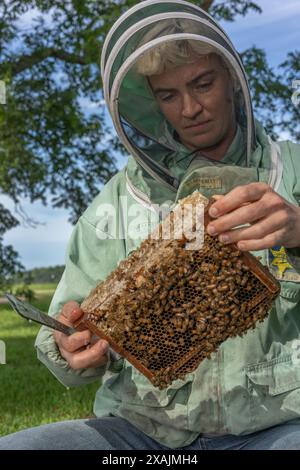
251,383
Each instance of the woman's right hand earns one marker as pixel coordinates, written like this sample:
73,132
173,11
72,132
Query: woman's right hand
81,350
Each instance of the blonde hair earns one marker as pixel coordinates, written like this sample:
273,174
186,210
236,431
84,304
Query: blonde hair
171,54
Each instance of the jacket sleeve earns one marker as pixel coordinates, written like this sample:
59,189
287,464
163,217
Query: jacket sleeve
89,259
294,182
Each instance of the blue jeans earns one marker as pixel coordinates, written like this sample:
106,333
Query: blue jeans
113,433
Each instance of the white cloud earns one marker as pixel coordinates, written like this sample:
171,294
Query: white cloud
88,105
44,245
276,30
57,230
35,255
284,135
27,19
272,12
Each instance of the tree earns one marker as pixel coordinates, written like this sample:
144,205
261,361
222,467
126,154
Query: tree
9,263
51,150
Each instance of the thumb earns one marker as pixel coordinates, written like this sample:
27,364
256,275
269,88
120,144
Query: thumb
71,312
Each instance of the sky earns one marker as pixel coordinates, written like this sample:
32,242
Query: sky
276,30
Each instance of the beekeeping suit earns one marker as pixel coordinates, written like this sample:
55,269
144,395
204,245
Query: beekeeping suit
252,382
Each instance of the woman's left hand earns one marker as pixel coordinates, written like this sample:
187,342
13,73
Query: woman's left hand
273,221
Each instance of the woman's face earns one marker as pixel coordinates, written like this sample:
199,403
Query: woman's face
198,100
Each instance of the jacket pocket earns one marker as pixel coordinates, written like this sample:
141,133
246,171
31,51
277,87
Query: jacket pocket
274,390
288,308
138,390
290,290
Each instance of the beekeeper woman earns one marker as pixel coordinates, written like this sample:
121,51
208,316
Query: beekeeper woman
179,99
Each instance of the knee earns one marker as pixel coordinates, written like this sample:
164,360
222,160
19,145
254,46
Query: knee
290,441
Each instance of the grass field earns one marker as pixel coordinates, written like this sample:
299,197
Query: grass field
41,290
29,393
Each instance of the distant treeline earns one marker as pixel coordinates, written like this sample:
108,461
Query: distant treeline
43,275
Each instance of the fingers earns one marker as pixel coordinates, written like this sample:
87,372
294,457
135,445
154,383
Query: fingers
70,313
81,350
243,215
75,341
265,202
238,196
257,231
94,356
257,218
267,242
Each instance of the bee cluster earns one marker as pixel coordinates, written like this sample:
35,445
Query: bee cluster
166,308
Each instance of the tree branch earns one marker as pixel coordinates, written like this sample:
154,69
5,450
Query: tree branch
206,4
28,61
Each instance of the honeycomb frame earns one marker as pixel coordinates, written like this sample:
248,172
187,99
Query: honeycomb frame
166,308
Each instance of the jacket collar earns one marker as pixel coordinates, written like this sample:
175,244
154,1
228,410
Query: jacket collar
179,161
